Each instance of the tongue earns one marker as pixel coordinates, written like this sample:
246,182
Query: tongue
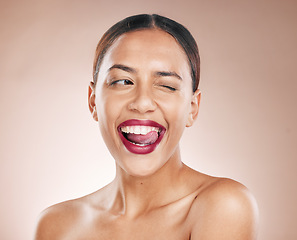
149,138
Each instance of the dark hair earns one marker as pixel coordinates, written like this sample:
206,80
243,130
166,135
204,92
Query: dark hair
154,21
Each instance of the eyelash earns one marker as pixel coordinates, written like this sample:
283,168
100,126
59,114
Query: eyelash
168,87
124,82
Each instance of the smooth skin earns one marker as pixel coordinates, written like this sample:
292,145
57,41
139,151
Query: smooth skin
145,75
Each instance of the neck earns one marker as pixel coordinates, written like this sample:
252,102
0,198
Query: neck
136,195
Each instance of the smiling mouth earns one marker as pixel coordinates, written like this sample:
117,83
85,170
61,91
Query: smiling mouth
141,136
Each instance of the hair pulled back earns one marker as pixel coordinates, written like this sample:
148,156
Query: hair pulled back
154,21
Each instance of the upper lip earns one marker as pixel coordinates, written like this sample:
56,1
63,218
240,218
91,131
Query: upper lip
141,122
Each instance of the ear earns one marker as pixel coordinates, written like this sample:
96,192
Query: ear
195,103
91,101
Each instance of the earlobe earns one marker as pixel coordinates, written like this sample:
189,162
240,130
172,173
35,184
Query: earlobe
91,101
195,103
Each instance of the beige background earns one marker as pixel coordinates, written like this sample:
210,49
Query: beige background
51,150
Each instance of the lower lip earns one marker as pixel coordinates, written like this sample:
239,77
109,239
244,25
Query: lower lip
136,149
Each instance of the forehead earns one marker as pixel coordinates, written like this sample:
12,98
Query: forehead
143,46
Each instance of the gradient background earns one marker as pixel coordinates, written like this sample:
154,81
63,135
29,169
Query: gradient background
51,149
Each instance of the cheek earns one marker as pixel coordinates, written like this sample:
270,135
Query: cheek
177,110
106,106
176,114
104,112
108,109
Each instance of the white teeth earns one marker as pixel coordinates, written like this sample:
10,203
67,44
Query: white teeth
143,130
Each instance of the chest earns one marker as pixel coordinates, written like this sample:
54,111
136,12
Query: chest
167,223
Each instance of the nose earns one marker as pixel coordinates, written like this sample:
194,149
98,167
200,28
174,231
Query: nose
143,101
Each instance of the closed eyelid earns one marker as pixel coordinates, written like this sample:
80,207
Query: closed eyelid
168,83
169,87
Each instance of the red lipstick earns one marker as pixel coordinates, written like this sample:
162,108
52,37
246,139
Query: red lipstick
140,148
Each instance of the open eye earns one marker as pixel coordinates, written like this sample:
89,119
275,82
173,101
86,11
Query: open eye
122,82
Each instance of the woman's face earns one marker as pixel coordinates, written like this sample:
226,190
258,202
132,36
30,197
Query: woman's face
143,100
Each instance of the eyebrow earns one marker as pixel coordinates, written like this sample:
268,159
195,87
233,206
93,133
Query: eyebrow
122,67
168,74
158,73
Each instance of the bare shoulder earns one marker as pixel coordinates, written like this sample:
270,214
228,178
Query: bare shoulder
67,219
56,220
224,209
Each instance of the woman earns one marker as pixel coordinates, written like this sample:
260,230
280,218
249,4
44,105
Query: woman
144,93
